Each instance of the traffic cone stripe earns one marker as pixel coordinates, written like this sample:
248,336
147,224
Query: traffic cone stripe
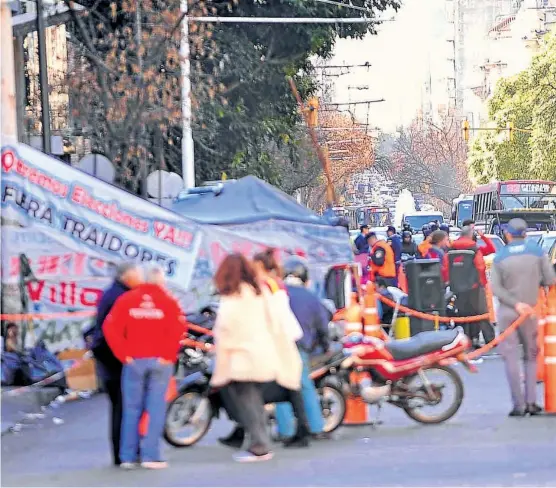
372,327
550,339
551,319
551,360
371,310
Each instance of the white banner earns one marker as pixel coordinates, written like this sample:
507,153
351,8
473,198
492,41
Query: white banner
71,227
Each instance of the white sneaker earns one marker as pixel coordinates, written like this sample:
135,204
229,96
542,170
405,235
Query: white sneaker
249,457
128,466
154,464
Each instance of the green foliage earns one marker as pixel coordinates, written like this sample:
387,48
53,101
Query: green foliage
527,99
251,126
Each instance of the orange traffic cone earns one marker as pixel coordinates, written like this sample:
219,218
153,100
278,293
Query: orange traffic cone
541,314
550,354
356,409
370,316
354,325
171,393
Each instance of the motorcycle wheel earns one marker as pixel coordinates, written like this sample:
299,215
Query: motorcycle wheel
333,404
416,412
190,409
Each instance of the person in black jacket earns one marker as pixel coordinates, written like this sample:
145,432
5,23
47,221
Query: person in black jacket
408,244
128,276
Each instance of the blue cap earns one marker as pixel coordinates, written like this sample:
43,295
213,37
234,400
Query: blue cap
516,228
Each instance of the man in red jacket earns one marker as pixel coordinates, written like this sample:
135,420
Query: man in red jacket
143,330
489,247
465,271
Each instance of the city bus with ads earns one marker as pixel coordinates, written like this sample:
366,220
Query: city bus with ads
495,204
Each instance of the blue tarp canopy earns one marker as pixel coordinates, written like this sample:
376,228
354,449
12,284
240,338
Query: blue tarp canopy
243,201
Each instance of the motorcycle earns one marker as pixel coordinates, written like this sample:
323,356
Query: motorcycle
197,403
399,372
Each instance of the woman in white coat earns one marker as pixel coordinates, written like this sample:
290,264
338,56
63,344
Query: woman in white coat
251,351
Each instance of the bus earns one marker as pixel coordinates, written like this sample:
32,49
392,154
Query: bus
373,216
507,197
462,209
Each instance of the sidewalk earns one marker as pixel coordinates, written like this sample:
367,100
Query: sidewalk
14,408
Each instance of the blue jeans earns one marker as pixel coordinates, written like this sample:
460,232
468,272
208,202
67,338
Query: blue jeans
311,401
144,384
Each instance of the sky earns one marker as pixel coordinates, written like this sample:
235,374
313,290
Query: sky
399,56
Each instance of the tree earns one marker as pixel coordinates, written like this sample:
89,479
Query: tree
542,82
257,116
126,82
429,157
350,151
493,156
527,99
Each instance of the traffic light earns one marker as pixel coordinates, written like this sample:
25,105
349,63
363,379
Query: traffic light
466,130
312,112
511,131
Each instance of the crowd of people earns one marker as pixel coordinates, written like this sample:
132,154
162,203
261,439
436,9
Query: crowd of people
464,272
268,323
517,272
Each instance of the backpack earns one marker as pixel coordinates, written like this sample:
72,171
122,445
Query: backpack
462,270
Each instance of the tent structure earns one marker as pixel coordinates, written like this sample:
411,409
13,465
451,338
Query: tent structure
243,201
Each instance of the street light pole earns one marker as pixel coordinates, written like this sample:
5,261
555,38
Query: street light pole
187,148
43,79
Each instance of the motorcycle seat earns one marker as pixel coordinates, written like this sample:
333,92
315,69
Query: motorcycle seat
422,343
335,352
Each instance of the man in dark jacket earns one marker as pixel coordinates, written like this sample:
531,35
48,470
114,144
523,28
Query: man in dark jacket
313,318
128,276
395,240
361,240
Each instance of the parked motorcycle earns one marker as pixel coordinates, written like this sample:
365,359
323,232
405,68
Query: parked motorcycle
198,403
401,372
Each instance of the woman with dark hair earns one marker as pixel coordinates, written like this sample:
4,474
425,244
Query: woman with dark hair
251,350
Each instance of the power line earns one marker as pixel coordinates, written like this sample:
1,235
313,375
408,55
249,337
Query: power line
288,20
356,103
340,4
339,66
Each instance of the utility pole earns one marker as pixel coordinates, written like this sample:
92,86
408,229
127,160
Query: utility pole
43,79
142,151
187,148
8,132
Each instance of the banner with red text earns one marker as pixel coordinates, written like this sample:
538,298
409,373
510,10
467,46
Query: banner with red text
72,228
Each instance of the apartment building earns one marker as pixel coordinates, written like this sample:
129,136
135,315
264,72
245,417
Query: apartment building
512,40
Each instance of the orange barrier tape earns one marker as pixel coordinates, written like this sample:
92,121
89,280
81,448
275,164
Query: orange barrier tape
44,316
199,329
427,316
497,340
196,344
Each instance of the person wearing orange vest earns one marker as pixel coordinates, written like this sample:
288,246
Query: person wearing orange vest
382,260
425,246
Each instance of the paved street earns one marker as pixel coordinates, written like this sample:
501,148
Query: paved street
479,447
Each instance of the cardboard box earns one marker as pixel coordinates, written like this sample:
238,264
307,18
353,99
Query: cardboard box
84,376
